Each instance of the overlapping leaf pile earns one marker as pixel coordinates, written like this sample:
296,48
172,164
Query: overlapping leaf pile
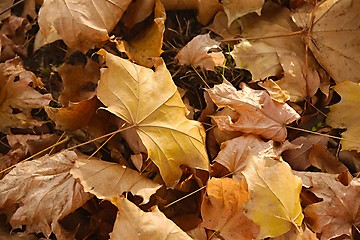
106,146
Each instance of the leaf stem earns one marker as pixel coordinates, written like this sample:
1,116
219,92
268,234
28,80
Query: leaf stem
14,5
323,134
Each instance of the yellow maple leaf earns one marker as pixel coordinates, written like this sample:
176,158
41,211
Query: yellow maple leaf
345,114
149,101
274,196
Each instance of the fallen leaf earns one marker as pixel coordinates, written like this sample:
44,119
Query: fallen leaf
258,113
274,196
295,234
351,159
106,180
42,192
132,223
234,154
339,209
206,8
221,28
5,4
298,158
321,158
13,38
18,96
270,49
131,92
198,233
79,23
137,12
79,81
75,116
330,22
222,209
238,8
148,44
196,53
345,114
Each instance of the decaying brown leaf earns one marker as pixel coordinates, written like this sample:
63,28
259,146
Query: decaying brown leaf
18,96
222,209
42,191
107,180
339,210
196,53
13,37
258,113
132,223
312,151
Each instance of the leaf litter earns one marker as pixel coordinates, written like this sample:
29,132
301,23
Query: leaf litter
98,143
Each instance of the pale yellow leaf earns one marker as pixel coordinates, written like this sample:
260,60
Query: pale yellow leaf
81,24
274,196
106,180
258,113
238,8
17,92
132,223
43,192
222,209
149,101
345,114
196,53
334,37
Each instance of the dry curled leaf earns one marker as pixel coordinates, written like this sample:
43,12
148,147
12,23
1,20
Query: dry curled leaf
79,23
106,180
258,113
43,192
18,96
150,103
148,43
339,210
132,223
196,53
